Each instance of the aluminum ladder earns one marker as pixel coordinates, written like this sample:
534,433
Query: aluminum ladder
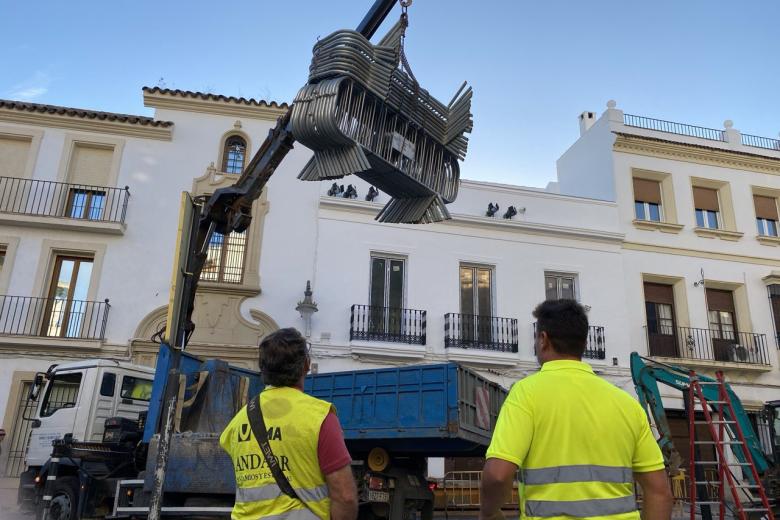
745,506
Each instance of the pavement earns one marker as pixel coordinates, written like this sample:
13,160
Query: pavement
8,508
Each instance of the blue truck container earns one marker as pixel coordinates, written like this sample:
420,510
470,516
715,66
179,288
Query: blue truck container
439,410
411,413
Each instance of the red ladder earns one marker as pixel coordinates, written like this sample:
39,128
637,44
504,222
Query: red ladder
720,441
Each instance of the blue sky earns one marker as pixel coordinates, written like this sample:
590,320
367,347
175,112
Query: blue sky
534,66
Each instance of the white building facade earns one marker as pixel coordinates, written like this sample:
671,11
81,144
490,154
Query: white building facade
463,290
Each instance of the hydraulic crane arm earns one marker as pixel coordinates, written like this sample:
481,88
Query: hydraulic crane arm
229,209
646,377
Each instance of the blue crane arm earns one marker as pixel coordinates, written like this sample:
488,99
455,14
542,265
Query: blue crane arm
646,377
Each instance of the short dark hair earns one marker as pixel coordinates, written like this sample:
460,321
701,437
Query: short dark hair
565,323
283,357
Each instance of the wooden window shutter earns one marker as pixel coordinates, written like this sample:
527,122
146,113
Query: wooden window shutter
90,165
659,293
766,207
13,156
719,300
705,198
646,190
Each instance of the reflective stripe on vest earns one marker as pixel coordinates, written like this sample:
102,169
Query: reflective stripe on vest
580,508
296,514
271,491
580,473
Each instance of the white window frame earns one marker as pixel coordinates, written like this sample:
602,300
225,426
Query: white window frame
388,257
718,218
563,274
764,231
646,206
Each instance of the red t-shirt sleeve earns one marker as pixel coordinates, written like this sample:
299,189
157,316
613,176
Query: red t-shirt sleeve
331,450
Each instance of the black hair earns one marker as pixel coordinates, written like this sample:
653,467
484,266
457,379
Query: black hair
565,323
283,355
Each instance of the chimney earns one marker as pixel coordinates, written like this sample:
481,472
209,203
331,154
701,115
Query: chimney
586,121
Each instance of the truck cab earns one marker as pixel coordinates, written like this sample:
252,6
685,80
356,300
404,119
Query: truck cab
76,399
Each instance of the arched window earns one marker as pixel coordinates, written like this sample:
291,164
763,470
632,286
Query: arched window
233,154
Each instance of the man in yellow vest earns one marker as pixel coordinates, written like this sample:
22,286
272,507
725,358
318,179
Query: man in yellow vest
288,453
579,441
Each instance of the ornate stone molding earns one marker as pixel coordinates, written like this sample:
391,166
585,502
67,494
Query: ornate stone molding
222,107
651,225
723,234
698,154
88,125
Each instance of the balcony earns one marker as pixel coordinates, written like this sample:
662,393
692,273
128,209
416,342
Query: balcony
745,348
62,205
393,325
480,332
596,346
53,318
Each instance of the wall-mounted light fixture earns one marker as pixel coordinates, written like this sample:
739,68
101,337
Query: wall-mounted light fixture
307,308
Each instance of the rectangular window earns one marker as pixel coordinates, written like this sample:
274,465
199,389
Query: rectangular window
707,207
647,199
659,308
766,215
66,306
90,165
136,388
722,318
225,258
14,153
107,384
774,304
476,303
560,286
86,204
386,294
62,392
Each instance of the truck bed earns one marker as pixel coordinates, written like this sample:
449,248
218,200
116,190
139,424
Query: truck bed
437,410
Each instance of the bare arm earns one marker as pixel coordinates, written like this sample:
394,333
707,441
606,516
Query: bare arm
343,494
497,478
658,499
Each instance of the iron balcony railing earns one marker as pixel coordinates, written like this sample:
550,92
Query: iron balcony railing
53,317
64,200
670,127
480,332
757,141
395,325
596,346
708,345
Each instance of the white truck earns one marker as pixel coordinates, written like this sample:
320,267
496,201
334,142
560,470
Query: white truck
76,399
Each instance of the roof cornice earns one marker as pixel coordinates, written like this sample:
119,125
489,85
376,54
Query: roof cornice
531,228
85,120
530,192
189,101
699,154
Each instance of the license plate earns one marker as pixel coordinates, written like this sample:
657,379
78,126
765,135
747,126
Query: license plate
378,496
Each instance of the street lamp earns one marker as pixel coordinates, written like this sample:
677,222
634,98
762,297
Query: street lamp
307,308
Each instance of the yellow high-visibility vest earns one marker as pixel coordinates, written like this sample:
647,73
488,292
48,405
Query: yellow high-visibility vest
293,421
578,440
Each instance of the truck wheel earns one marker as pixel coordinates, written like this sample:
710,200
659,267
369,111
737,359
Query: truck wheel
64,501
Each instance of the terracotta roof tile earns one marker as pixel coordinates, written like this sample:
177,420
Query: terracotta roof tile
215,97
82,113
